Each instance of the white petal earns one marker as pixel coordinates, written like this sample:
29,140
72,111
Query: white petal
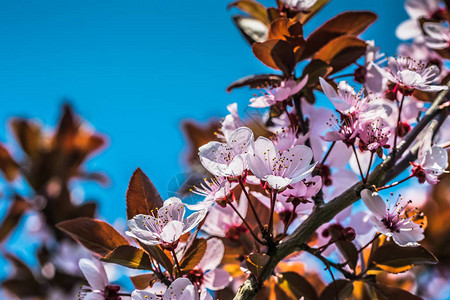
172,232
94,272
181,288
374,202
142,295
192,221
407,238
213,255
277,182
216,279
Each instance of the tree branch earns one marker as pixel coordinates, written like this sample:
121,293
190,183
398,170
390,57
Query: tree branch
325,213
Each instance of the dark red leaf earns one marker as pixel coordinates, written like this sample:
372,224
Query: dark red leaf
97,236
142,196
277,54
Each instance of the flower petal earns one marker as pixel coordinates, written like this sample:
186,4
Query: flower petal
374,202
94,272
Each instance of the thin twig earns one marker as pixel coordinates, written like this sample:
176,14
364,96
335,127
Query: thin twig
398,123
359,165
328,153
260,225
370,164
246,224
395,183
273,199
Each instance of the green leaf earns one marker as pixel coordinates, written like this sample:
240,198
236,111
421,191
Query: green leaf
97,236
193,255
393,258
298,286
130,257
256,263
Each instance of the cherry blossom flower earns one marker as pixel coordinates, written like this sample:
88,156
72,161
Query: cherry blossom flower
279,169
348,102
166,227
284,91
417,9
288,138
179,289
206,275
231,122
432,161
224,222
411,74
392,221
373,81
437,35
99,287
228,159
346,130
300,5
214,190
374,135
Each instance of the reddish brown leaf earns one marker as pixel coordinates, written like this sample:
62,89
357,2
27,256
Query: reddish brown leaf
142,196
97,236
338,289
158,254
346,23
304,17
193,255
315,69
256,263
141,282
8,165
393,258
12,218
298,286
28,135
276,54
254,81
130,257
385,292
253,8
342,52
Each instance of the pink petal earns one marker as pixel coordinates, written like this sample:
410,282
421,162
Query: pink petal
213,255
216,279
94,272
374,203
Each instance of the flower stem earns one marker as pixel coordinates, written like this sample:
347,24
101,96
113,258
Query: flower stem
371,241
286,227
370,164
398,123
328,153
246,224
273,199
175,259
395,183
260,225
359,165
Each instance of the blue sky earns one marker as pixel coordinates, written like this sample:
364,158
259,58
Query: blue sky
134,70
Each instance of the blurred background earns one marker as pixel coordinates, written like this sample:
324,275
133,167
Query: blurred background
134,70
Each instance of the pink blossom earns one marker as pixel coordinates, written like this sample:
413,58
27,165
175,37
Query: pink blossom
284,91
392,220
279,169
228,159
288,138
373,81
437,35
180,289
345,130
231,122
374,135
166,227
99,287
432,161
215,189
300,5
416,9
206,275
411,74
224,222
